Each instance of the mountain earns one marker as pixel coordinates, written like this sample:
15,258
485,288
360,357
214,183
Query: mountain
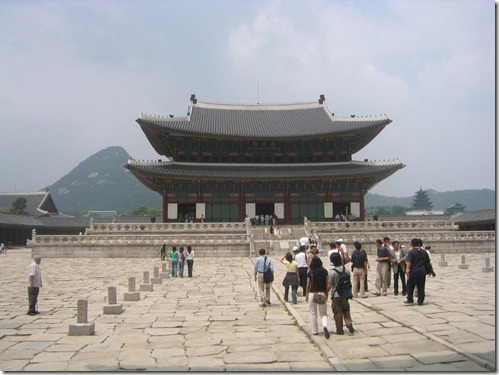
472,200
101,183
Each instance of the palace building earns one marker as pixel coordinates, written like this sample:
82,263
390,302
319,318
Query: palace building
228,161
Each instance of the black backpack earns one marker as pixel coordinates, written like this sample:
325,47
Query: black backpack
343,286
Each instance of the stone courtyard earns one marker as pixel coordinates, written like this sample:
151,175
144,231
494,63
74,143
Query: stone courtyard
213,322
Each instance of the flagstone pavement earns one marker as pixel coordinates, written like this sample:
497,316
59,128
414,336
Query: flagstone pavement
213,321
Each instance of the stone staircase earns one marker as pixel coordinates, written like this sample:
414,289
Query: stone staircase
275,246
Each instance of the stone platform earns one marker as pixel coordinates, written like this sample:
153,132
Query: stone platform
212,322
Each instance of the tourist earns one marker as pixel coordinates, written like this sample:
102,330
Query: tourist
3,251
399,268
301,261
34,284
415,270
332,249
386,242
340,304
261,265
181,261
190,260
342,249
174,258
359,266
382,270
162,251
314,252
316,295
292,278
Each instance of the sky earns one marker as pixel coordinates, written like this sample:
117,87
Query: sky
76,74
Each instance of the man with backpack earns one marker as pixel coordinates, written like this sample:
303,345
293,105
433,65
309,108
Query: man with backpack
416,270
339,278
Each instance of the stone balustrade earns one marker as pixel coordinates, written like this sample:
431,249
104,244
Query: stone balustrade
407,236
383,226
165,228
174,239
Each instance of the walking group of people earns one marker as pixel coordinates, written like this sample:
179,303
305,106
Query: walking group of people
305,269
179,259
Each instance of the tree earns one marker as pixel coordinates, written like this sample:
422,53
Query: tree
422,201
399,210
141,211
18,206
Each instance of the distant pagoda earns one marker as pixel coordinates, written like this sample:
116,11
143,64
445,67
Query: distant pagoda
231,161
422,201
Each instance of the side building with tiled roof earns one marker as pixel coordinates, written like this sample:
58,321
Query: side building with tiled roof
226,162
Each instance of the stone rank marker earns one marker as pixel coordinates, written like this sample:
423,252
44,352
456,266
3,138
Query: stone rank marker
487,267
113,307
131,295
82,327
146,287
156,279
164,271
463,265
442,261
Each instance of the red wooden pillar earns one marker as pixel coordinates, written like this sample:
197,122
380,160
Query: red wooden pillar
362,208
242,203
287,206
165,207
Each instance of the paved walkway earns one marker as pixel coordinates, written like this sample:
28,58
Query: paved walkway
213,322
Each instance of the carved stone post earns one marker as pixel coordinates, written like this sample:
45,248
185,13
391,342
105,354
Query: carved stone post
463,265
146,287
156,279
82,327
131,295
487,267
442,262
113,307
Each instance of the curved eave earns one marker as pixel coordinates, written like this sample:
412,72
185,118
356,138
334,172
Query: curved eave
377,171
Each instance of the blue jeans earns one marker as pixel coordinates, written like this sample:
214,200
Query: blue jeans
181,269
174,268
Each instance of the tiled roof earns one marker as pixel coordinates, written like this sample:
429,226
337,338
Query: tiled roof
37,203
172,169
300,120
482,216
11,220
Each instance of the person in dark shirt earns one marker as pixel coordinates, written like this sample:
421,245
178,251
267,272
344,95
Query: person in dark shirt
359,268
416,271
382,269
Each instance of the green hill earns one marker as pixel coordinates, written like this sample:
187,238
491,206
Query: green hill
101,183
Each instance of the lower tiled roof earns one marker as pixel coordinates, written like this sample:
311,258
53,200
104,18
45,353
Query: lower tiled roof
211,171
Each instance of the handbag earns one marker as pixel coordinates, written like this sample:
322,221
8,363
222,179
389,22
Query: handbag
319,298
268,275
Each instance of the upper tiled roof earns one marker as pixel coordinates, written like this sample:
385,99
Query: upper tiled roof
37,203
377,170
258,121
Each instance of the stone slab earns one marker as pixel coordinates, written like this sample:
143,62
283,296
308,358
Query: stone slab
113,309
81,329
131,296
146,287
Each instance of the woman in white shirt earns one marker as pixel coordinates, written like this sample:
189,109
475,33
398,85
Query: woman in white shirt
190,260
